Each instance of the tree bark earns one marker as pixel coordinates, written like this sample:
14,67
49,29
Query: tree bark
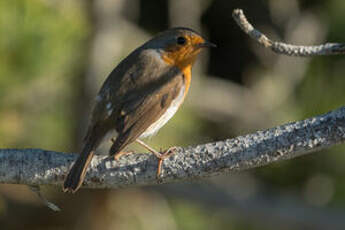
42,167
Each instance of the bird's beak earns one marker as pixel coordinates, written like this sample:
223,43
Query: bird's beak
206,44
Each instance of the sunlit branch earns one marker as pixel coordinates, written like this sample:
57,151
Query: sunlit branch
283,48
41,167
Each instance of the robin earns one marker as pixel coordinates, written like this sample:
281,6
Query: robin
139,96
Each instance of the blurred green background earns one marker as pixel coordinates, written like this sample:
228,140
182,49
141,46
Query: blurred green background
54,56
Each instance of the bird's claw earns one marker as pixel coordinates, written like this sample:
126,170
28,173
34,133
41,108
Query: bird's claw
163,155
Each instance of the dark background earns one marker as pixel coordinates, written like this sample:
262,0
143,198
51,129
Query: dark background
55,54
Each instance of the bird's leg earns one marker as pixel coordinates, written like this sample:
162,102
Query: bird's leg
161,156
120,154
156,153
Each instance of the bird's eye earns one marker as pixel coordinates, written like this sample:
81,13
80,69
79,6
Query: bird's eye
181,40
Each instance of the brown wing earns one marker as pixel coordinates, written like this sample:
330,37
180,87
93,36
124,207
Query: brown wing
139,114
125,89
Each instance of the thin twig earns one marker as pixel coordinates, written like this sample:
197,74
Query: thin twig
40,167
283,48
36,189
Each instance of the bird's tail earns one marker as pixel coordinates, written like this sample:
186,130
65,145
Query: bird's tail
77,173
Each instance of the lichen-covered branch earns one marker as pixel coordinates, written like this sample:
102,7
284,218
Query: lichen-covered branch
41,167
283,48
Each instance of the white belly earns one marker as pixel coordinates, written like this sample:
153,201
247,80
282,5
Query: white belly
175,104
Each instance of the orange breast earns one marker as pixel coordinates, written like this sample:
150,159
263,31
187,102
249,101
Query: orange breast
187,78
184,64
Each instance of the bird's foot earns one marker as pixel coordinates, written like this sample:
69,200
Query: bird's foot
160,155
120,154
117,156
163,155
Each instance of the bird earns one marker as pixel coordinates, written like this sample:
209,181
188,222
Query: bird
139,96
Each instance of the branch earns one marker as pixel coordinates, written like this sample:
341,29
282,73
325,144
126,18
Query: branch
41,167
283,48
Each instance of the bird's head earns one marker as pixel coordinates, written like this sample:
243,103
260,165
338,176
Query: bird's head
179,46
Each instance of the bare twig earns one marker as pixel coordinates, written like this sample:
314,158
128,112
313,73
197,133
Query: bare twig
283,48
39,167
36,189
